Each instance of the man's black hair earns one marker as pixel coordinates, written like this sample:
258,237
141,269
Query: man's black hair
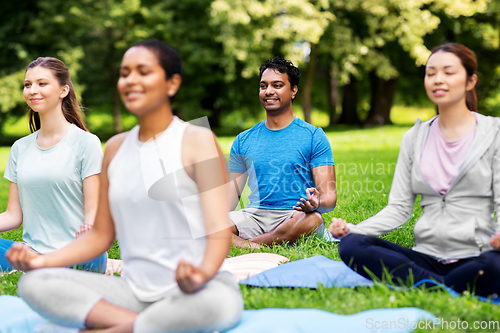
284,67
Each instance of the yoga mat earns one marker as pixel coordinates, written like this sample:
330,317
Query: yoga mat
453,292
114,266
308,273
324,234
400,320
250,264
17,317
242,266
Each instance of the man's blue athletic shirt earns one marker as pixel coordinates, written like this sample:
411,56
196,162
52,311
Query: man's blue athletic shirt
279,162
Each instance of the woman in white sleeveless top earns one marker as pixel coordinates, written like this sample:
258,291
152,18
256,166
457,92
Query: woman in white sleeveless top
163,195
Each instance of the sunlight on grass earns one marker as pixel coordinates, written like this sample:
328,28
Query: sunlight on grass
406,115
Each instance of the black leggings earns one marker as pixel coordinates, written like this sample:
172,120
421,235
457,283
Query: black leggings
478,274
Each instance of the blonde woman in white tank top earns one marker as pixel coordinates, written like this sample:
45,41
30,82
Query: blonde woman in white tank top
163,195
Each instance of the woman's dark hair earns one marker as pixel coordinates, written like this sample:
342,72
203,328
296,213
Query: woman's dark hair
70,107
168,57
284,67
469,61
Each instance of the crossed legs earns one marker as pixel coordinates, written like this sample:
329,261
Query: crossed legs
298,225
87,300
478,274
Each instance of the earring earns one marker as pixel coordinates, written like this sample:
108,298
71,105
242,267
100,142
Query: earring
171,92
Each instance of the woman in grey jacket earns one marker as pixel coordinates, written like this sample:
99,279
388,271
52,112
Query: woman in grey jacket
453,161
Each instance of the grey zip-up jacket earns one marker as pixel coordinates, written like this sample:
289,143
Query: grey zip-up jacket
458,224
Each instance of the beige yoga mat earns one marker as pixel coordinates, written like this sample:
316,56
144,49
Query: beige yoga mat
250,264
242,266
114,266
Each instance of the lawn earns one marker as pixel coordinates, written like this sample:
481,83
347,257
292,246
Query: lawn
365,162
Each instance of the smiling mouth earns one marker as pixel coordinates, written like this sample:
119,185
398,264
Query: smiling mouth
133,94
34,100
439,92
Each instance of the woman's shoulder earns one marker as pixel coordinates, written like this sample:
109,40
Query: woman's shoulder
116,140
82,136
419,126
24,142
199,142
488,121
83,143
113,144
488,129
198,136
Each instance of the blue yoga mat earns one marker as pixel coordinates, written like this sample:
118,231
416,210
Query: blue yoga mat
17,317
453,292
318,321
310,272
325,235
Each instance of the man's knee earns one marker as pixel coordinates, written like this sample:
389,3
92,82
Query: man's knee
300,224
317,217
312,221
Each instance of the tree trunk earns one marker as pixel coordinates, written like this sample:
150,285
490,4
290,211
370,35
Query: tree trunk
117,117
383,92
333,92
210,103
305,96
214,118
350,103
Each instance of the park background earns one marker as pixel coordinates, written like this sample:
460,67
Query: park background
362,65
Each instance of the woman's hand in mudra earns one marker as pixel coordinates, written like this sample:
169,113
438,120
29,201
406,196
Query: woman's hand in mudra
23,258
495,241
189,277
338,228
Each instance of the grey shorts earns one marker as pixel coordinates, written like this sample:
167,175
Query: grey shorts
252,222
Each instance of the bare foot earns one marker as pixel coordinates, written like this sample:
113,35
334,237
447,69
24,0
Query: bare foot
122,328
241,243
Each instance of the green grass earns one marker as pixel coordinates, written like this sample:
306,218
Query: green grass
365,161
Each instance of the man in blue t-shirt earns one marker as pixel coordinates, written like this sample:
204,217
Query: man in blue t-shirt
288,163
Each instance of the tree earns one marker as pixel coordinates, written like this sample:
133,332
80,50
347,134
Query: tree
369,36
480,32
253,31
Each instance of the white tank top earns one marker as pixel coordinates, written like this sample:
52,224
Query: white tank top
154,231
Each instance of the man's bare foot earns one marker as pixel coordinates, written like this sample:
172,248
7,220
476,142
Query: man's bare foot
122,328
241,243
253,245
